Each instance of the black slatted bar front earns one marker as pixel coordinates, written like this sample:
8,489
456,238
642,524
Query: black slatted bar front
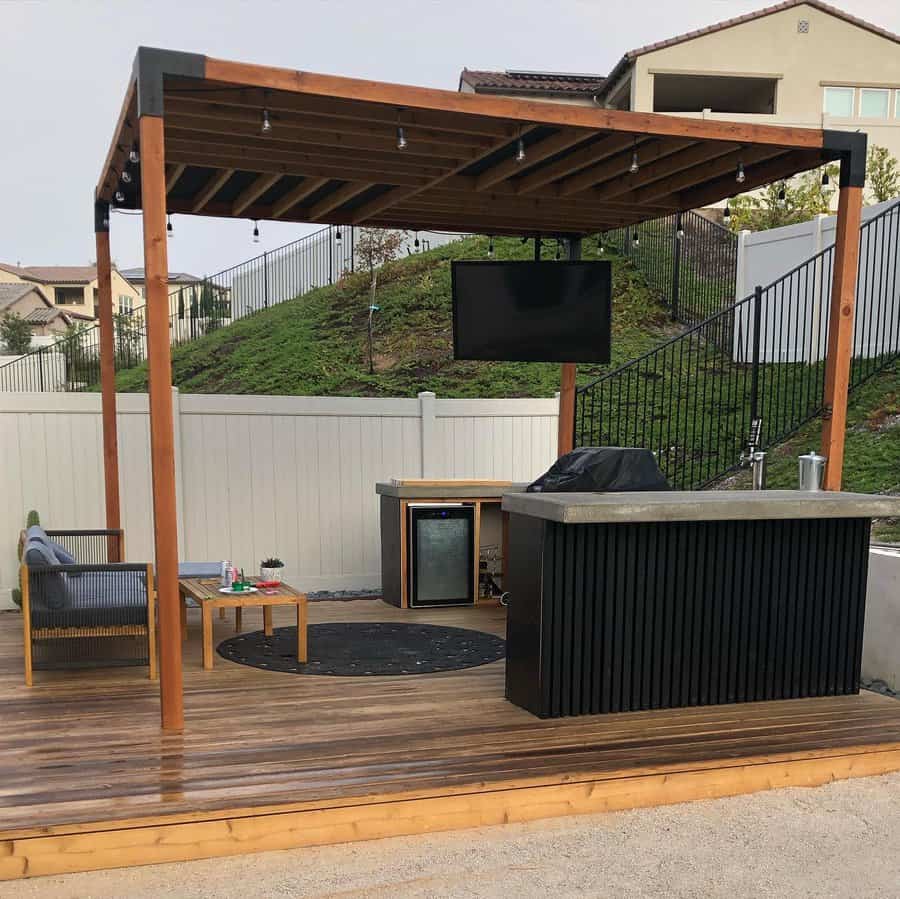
669,614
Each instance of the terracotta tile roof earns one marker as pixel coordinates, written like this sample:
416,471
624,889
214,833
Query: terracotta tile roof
532,82
42,316
12,293
740,20
12,269
62,274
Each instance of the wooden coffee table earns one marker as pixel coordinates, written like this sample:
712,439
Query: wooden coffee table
205,592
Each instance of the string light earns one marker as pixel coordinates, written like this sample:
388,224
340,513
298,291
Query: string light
169,230
636,239
600,248
782,193
740,177
491,247
679,234
727,214
120,197
520,150
255,232
826,180
266,126
401,138
337,234
557,250
126,177
635,166
416,241
134,157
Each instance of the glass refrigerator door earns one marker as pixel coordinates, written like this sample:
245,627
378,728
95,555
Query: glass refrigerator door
443,560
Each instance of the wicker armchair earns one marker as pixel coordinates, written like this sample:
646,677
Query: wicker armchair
81,606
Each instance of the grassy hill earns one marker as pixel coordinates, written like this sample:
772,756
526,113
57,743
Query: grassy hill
872,456
316,344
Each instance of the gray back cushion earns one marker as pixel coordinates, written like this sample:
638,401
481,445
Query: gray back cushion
48,589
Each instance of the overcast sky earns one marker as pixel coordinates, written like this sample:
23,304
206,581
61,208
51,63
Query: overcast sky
64,66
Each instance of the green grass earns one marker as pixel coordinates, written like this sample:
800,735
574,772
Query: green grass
872,454
316,344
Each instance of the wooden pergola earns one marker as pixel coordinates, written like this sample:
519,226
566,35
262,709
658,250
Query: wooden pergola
204,136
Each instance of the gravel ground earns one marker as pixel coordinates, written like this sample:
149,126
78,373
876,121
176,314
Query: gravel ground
842,839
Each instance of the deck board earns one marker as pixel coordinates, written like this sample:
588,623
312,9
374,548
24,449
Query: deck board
82,752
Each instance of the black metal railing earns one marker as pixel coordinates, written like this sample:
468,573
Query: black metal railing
73,362
689,261
694,399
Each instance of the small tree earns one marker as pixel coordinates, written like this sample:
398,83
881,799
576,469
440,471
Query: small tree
128,337
805,196
15,332
375,247
882,175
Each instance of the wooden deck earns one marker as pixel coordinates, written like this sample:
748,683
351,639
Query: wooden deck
271,761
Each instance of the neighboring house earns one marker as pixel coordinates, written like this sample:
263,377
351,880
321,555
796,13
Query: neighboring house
176,279
801,62
72,288
29,302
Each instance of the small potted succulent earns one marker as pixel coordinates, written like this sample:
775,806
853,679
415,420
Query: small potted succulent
271,570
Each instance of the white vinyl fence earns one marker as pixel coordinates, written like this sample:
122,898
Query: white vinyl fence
795,314
259,475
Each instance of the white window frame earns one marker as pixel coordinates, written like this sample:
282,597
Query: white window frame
897,104
126,304
841,87
875,90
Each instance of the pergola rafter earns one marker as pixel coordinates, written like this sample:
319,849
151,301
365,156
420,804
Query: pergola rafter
331,152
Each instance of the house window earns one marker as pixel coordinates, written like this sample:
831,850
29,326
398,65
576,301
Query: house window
839,102
720,93
69,296
874,103
126,304
897,104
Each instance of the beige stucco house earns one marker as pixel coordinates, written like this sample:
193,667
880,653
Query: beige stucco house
73,288
29,302
801,62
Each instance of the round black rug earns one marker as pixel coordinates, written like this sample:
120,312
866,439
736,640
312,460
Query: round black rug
357,649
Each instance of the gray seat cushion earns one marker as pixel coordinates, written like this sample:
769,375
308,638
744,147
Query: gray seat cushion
98,599
199,569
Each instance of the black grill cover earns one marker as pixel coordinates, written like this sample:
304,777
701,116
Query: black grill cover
601,469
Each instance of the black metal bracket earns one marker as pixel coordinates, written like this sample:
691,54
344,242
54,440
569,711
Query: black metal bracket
151,64
849,147
101,216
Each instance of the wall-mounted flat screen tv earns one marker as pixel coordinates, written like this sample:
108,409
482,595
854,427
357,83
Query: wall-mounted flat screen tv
532,311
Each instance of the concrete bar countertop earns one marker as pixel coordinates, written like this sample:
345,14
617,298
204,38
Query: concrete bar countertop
699,505
447,490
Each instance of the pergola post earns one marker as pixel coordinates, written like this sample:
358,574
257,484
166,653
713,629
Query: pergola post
843,301
565,438
162,431
107,372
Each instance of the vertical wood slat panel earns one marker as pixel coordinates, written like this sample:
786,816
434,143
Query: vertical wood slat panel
292,476
697,613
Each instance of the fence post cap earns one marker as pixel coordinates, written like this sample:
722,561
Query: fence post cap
426,394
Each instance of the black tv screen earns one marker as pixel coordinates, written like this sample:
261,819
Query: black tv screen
532,311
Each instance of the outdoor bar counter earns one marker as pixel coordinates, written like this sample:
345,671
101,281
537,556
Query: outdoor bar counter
629,601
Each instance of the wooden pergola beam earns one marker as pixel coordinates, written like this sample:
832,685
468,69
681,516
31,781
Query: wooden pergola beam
576,161
253,192
337,198
173,173
536,153
213,186
304,189
618,166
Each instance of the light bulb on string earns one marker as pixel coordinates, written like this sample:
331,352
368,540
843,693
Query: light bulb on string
337,234
727,214
600,248
169,229
635,166
266,124
679,234
491,247
401,138
126,177
520,150
826,180
782,193
255,232
636,239
740,176
134,157
558,252
119,197
416,241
